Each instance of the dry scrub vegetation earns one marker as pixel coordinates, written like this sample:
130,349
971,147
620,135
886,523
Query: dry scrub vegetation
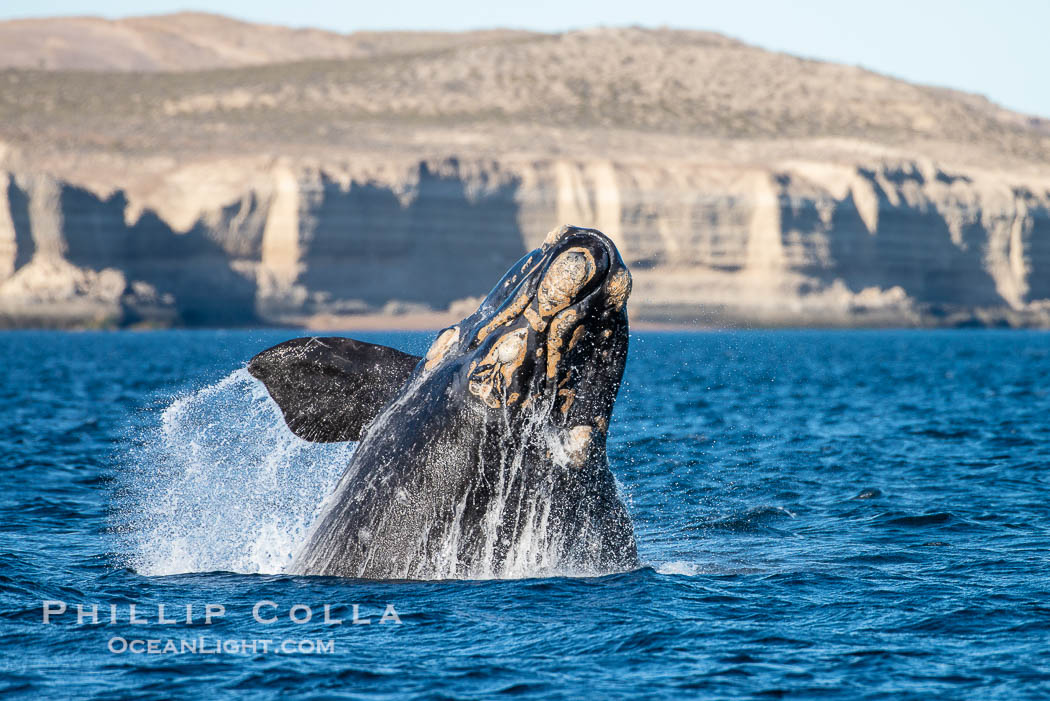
395,87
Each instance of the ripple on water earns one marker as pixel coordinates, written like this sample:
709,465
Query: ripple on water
852,515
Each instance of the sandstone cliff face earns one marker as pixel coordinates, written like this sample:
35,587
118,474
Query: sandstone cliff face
888,241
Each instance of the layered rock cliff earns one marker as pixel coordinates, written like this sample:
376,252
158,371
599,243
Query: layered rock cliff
742,187
805,243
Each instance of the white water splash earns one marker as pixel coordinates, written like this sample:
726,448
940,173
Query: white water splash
679,567
223,485
538,546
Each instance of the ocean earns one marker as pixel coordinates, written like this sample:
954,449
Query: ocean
857,514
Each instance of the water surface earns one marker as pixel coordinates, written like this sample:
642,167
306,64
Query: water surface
832,514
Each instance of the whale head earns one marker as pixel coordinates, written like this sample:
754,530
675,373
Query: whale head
549,343
486,457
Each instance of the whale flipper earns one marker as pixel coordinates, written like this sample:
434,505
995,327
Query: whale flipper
329,389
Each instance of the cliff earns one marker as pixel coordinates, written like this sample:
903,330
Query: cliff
806,243
742,186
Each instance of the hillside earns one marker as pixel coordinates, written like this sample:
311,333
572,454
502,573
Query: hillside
480,85
305,173
190,41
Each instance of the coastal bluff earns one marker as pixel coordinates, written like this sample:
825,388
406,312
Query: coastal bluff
805,244
743,187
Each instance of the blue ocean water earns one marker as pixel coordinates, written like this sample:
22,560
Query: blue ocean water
821,514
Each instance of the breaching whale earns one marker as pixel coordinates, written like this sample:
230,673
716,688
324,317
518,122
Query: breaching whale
487,456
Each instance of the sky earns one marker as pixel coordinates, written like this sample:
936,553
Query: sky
1000,49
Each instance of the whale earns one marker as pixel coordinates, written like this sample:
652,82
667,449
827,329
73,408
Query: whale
485,457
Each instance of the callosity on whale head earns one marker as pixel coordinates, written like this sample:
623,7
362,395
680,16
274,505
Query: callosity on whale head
548,344
487,458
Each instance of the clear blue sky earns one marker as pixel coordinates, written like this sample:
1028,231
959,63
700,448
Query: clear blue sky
1000,49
